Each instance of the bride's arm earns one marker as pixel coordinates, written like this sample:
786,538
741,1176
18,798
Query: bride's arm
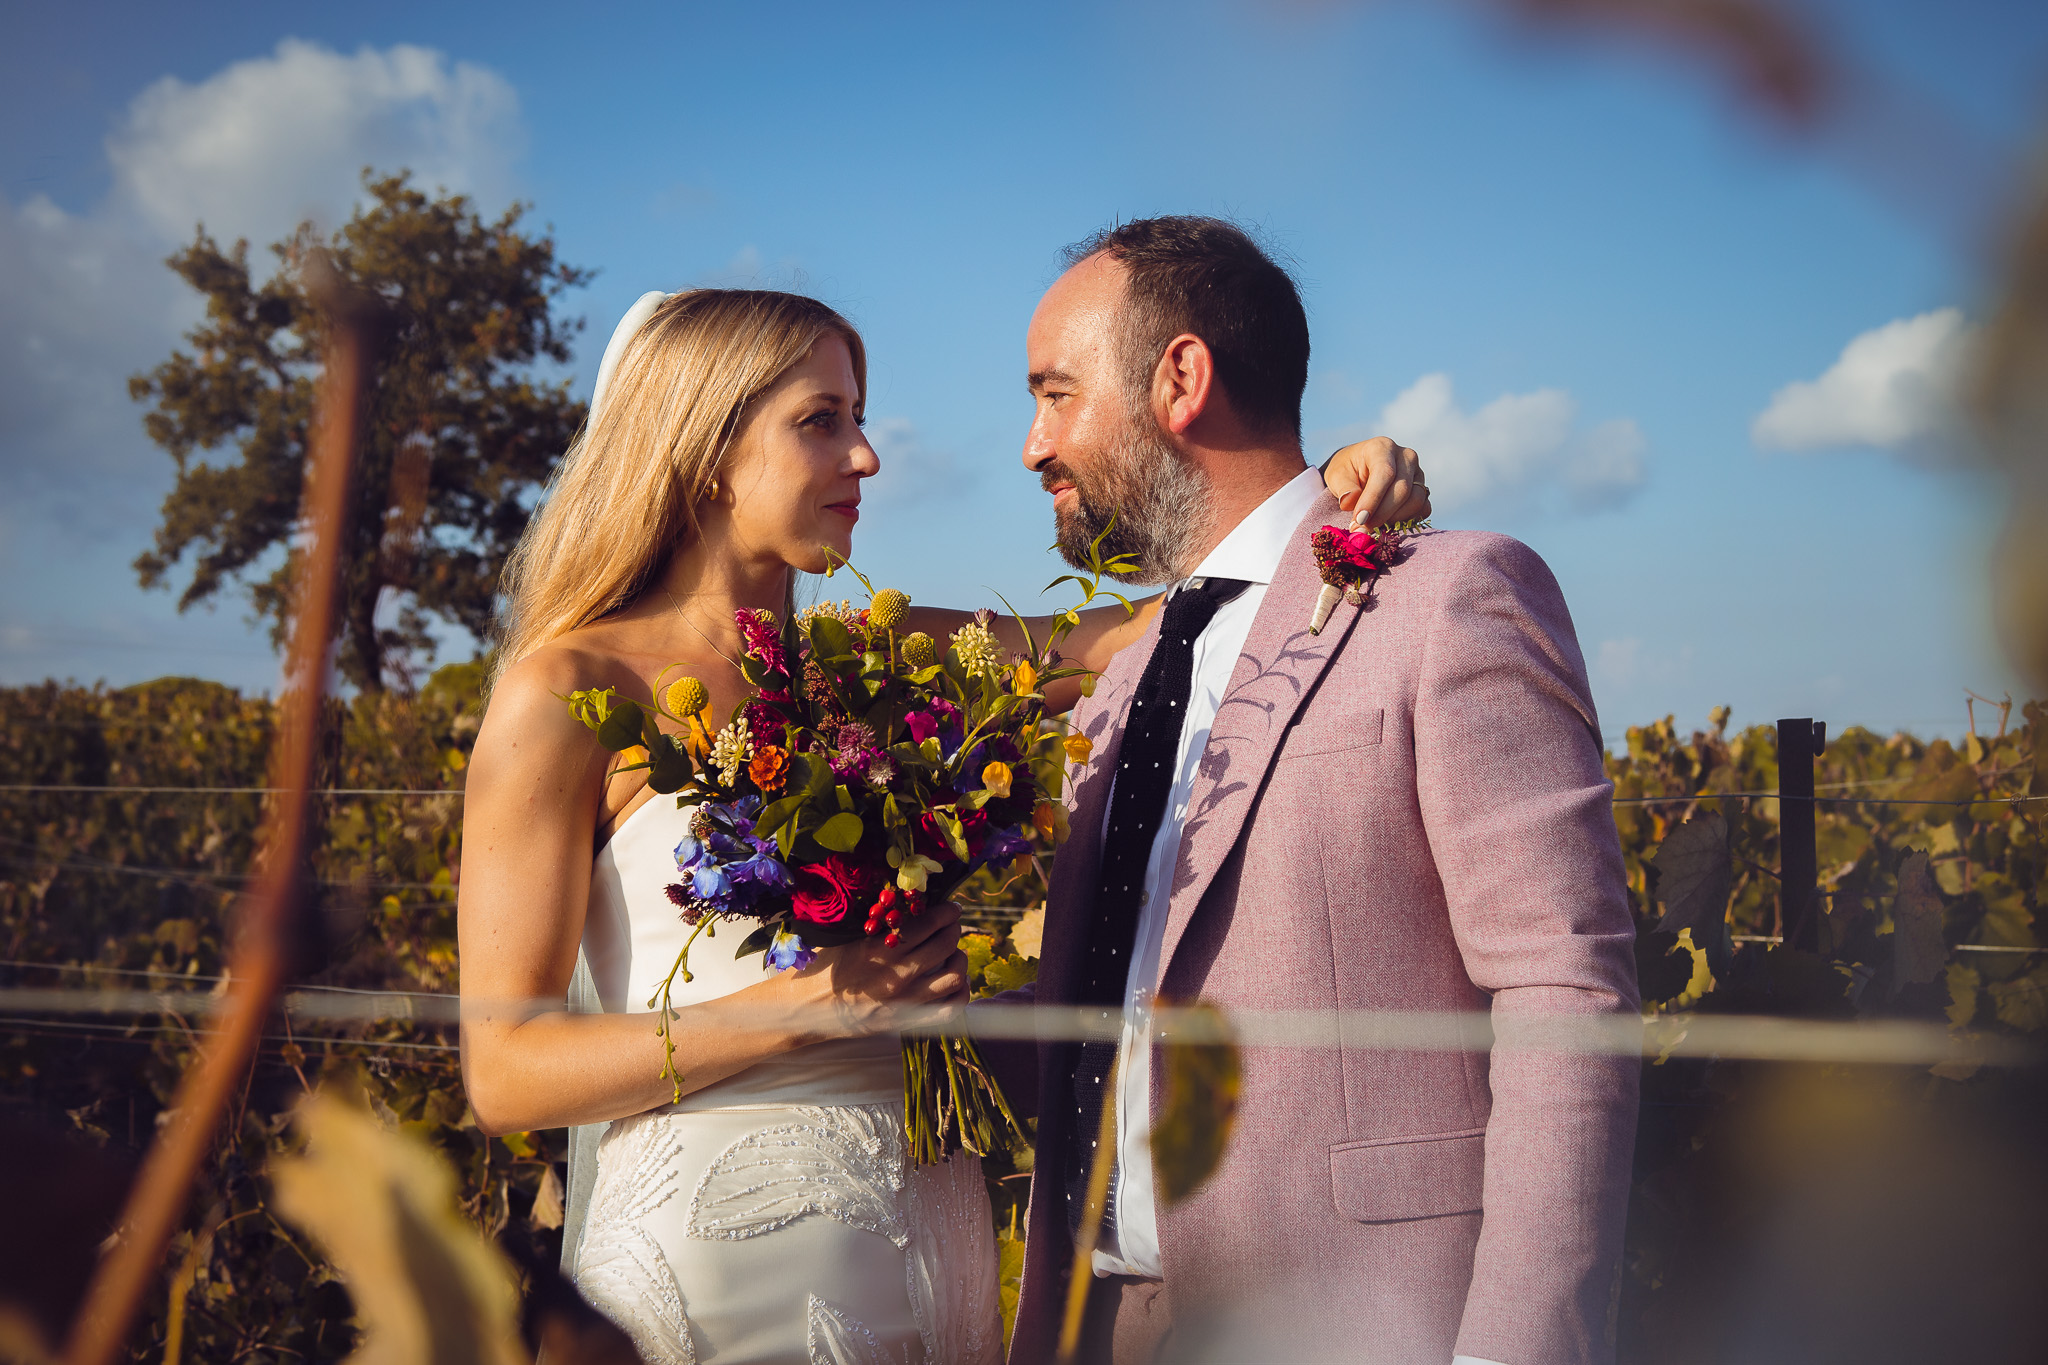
530,814
1376,480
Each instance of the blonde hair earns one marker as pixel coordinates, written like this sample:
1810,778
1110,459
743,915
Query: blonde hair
625,495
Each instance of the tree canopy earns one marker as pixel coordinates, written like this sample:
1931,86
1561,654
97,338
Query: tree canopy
459,427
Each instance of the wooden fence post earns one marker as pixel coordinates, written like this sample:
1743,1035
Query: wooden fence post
1799,744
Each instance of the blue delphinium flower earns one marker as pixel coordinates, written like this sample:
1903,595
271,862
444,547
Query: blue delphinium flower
726,869
787,950
1004,845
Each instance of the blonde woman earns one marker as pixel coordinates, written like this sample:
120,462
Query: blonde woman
770,1214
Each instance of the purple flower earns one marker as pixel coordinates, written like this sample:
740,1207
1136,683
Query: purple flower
1004,845
711,882
787,950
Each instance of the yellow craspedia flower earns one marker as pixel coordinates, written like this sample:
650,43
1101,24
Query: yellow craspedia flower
920,650
996,777
1078,747
687,696
1026,680
887,610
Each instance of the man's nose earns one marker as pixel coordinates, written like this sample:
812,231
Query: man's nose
1039,447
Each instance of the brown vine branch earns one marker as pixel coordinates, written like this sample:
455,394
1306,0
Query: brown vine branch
157,1202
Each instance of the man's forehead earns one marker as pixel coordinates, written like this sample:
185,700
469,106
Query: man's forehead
1080,302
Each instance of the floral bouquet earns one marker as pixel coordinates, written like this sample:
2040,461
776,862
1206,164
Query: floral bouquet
870,774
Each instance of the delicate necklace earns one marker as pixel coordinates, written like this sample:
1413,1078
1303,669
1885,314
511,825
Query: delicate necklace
700,630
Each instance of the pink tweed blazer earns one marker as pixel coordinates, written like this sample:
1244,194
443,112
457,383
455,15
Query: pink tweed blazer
1406,812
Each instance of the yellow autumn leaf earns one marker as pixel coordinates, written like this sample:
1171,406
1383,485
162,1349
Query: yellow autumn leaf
428,1289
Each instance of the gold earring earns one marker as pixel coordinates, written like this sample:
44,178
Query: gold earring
711,489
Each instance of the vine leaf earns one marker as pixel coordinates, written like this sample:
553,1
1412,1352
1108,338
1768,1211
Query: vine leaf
1695,873
1918,953
382,1205
1198,1104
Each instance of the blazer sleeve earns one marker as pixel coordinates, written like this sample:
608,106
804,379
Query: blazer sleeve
1518,812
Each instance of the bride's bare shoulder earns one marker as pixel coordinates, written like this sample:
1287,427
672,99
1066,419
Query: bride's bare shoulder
531,698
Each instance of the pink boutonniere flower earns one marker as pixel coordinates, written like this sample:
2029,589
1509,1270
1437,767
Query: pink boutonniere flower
1349,561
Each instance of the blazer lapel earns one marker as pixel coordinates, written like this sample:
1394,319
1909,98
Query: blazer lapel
1101,718
1278,668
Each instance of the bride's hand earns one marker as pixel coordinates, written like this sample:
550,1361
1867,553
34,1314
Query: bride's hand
870,985
1378,481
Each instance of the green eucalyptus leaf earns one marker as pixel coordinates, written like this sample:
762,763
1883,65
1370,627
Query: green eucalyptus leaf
841,833
621,729
829,638
668,765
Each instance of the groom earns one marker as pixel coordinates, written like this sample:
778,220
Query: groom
1374,1204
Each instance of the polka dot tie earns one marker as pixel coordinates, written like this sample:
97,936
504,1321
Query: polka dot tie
1145,768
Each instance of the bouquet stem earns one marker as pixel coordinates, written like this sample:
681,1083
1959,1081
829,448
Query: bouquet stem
951,1102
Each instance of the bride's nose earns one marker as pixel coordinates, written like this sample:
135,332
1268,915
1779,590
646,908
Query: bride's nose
866,464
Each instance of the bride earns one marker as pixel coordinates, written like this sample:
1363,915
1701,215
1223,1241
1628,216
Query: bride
770,1214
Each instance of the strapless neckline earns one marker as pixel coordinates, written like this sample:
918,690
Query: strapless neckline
631,935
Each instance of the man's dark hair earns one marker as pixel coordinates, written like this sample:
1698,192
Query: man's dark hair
1208,277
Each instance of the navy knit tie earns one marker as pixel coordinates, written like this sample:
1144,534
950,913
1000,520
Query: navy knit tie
1143,780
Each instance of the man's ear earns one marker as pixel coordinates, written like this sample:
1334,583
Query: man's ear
1183,383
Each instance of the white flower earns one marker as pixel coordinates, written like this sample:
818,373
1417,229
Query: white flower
732,750
842,611
911,871
976,645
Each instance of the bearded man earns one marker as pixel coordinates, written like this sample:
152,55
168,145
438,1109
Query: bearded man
1373,1204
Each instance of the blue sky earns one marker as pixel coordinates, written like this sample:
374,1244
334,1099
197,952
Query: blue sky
1575,272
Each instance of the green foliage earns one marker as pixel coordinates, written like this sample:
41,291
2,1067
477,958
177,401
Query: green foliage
458,432
1907,890
143,883
137,891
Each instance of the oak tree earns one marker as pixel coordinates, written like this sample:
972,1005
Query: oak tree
460,427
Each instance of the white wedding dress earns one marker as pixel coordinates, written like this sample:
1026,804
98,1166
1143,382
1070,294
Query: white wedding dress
772,1218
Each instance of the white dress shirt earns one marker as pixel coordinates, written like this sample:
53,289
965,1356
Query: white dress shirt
1252,552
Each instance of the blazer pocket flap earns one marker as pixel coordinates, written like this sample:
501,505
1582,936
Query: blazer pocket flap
1335,732
1389,1179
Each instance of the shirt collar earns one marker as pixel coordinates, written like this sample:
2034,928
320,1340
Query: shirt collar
1254,546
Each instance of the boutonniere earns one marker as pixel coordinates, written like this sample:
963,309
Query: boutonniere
1350,561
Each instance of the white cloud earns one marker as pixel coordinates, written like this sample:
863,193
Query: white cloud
255,148
248,151
1521,448
1891,389
912,472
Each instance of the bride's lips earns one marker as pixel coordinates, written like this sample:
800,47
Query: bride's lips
849,510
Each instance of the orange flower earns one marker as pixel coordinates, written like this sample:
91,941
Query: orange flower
1026,680
996,777
769,767
1078,747
1050,820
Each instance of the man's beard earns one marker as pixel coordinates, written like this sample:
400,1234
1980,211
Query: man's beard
1157,499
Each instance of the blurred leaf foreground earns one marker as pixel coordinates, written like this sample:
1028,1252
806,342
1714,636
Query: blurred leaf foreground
123,889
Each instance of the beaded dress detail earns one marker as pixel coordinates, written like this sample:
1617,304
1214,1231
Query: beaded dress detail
773,1218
